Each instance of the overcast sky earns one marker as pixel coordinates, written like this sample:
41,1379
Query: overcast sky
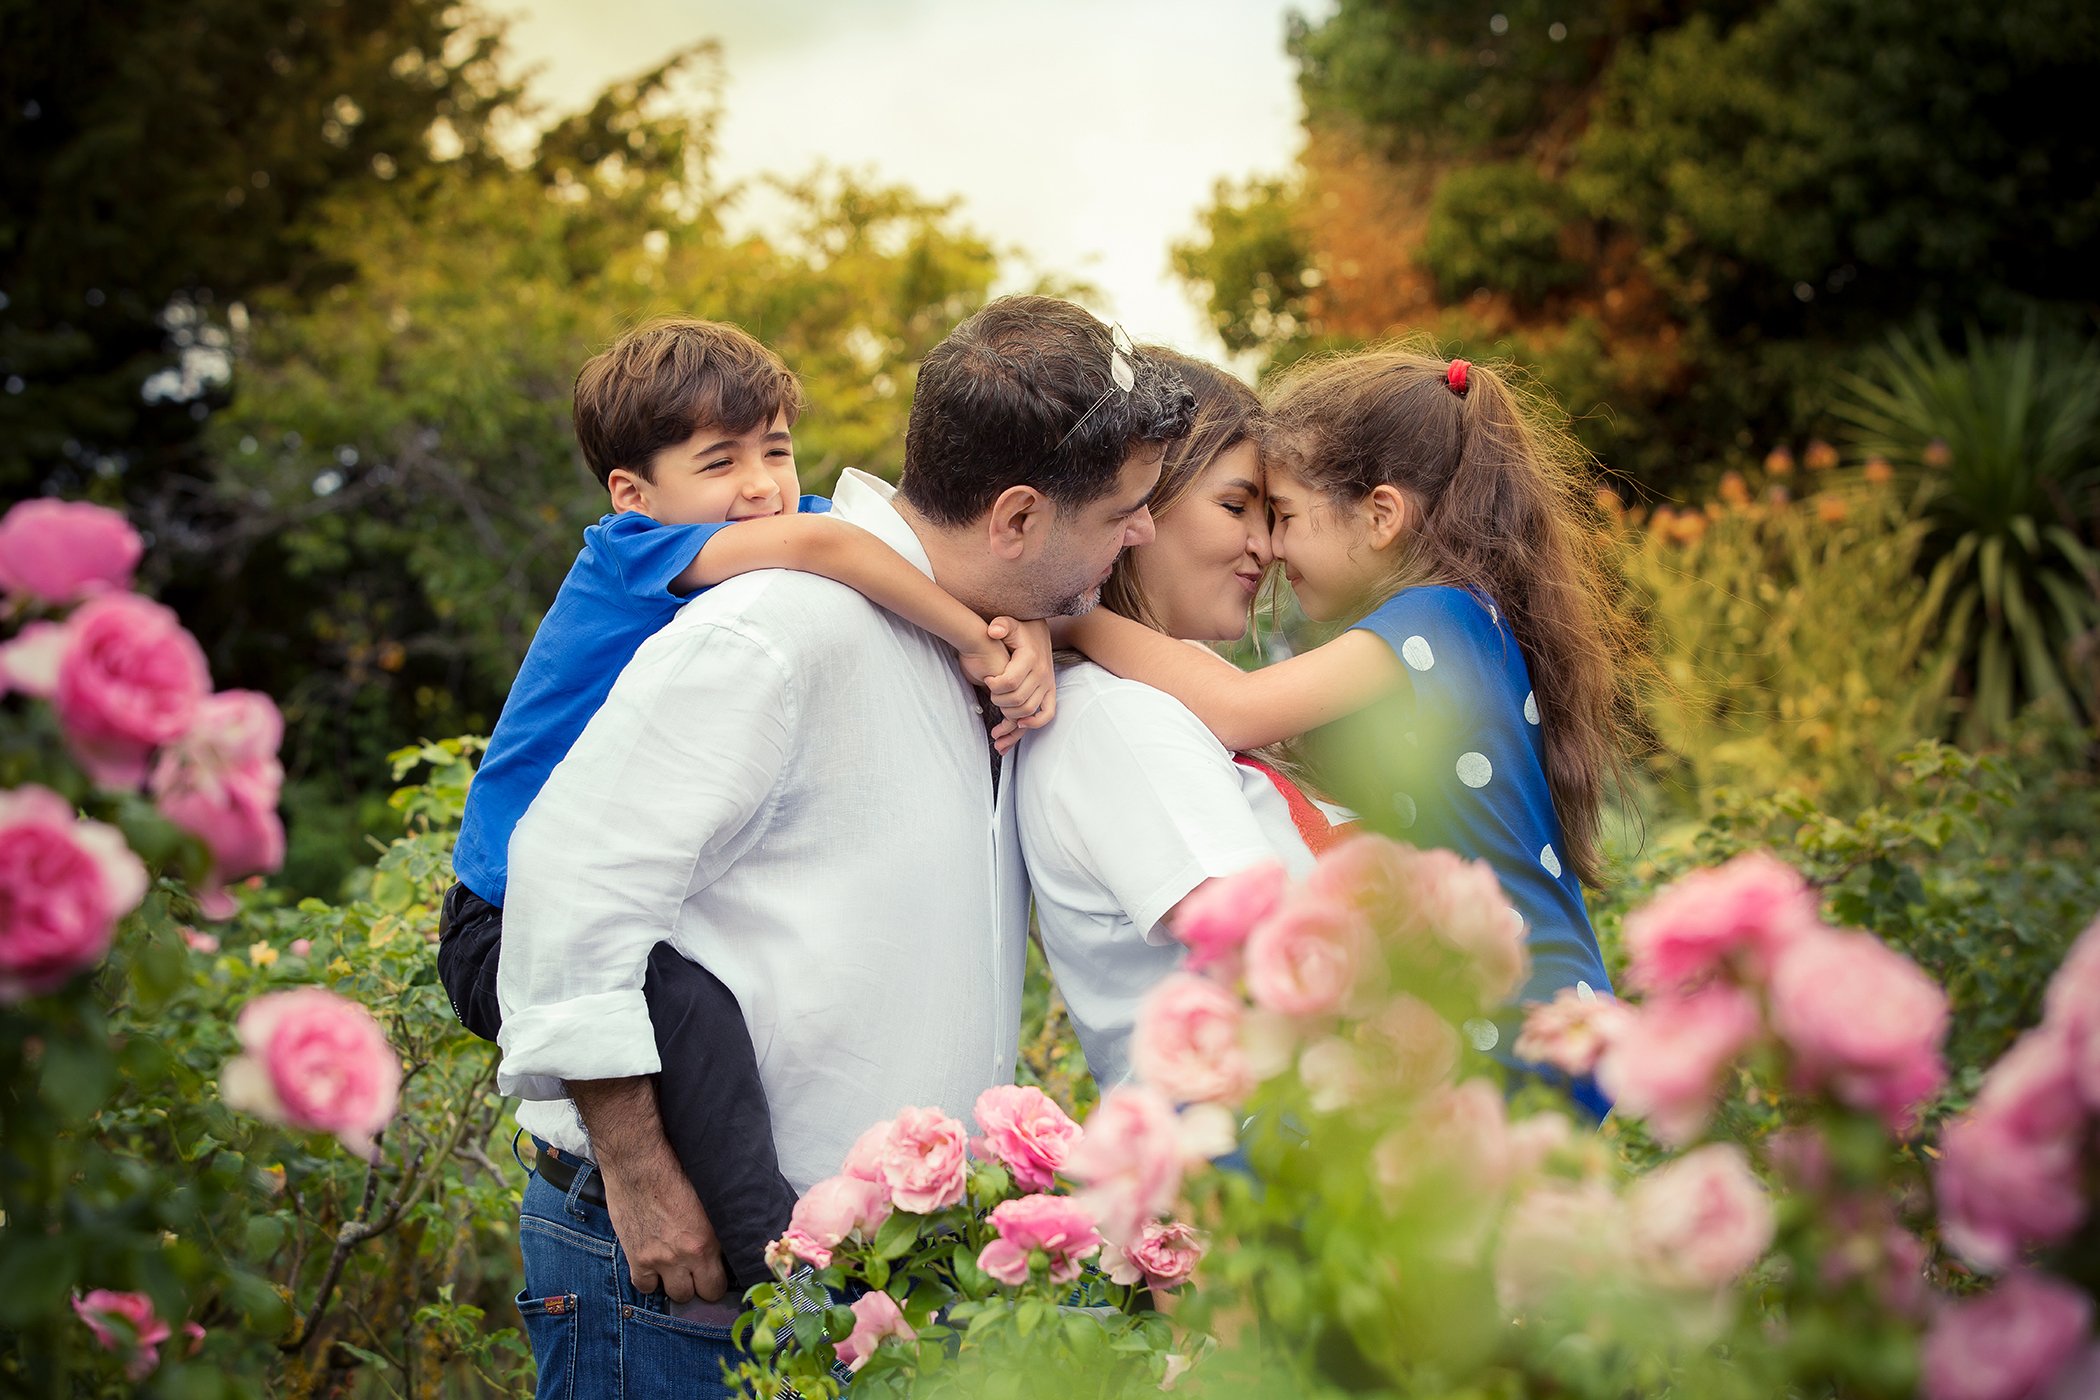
1085,133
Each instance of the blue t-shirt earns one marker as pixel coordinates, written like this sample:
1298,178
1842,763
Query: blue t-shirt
1476,782
617,595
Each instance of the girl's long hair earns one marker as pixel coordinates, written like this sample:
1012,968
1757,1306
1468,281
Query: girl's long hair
1502,502
1227,414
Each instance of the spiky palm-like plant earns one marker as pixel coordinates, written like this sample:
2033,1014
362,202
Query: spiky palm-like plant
2002,439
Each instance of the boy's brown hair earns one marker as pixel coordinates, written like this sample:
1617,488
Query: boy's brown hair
662,382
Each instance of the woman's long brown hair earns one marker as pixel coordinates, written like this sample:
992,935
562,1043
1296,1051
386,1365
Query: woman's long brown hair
1503,503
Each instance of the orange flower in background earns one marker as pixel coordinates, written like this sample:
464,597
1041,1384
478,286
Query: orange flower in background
1608,501
1820,456
1877,471
1831,509
1734,489
1779,462
1778,495
1937,453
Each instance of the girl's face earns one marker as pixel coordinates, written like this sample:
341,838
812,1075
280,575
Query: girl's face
1201,573
1326,549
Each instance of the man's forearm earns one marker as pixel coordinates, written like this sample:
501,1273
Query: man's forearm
656,1215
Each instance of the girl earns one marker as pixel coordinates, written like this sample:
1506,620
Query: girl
1420,499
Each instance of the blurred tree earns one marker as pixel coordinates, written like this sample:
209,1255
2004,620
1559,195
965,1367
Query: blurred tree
1682,210
397,461
159,162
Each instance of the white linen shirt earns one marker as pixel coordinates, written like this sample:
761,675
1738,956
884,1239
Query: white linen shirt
1127,803
794,788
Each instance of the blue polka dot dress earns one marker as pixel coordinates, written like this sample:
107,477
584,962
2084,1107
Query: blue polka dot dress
1475,777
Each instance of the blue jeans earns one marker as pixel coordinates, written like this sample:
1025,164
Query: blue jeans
593,1337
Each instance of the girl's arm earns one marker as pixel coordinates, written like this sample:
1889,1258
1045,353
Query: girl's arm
847,554
1245,709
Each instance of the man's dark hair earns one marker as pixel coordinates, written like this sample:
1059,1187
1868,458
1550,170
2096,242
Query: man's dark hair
662,382
995,398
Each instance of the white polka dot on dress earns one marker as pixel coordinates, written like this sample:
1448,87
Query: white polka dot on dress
1548,859
1482,1034
1404,808
1531,706
1474,770
1416,653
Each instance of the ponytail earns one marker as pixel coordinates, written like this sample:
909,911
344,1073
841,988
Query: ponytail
1501,504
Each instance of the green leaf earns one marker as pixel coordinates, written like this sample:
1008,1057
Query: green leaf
897,1235
263,1236
36,1274
76,1078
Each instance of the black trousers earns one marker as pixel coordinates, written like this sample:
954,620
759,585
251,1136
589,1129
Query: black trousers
713,1107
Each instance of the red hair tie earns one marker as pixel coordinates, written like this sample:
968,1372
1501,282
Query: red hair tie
1456,376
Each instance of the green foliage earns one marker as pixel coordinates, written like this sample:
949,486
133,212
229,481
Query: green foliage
1764,690
1500,227
313,1273
2003,442
1251,267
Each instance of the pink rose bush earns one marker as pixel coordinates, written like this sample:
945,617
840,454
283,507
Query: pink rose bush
130,679
1051,1233
925,1160
1025,1132
57,552
220,781
1187,1042
1733,920
1701,1221
125,1323
64,883
317,1062
1163,1257
1214,921
875,1317
2009,1343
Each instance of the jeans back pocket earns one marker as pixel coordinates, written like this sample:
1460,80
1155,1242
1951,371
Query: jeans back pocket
550,1325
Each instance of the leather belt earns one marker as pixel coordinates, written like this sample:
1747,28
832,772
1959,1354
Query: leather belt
560,1173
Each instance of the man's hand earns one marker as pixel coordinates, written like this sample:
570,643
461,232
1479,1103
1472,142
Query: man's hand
656,1215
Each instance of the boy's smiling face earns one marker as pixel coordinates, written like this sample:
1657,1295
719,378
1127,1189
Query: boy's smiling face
714,475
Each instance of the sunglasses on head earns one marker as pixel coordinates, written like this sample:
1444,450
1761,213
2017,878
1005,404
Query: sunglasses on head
1122,372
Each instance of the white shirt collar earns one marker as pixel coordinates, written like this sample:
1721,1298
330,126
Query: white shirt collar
870,502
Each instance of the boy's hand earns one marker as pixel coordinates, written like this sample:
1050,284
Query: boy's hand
1026,691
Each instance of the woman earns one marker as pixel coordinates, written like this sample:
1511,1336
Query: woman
1127,804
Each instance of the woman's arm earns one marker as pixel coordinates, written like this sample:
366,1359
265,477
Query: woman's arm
845,553
1245,709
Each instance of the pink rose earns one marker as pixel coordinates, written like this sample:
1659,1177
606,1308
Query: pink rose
1536,1140
1422,1045
196,942
2007,1344
1459,1138
839,1207
864,1158
1560,1240
220,782
1130,1160
1163,1256
1187,1041
64,883
875,1316
1303,958
130,680
196,1334
1334,1075
1057,1227
64,551
124,1323
1214,921
29,663
2009,1167
1025,1132
2074,1004
315,1061
794,1249
1738,916
1701,1221
1426,906
1863,1020
300,947
925,1161
1572,1031
1664,1064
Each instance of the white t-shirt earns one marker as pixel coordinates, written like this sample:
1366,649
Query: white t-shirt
1126,804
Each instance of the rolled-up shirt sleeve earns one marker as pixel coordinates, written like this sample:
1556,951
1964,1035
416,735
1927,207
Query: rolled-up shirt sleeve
668,783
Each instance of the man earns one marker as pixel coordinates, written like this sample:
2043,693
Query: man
796,790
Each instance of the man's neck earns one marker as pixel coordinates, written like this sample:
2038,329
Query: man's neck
958,564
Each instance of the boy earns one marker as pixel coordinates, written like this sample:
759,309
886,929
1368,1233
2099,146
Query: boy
687,423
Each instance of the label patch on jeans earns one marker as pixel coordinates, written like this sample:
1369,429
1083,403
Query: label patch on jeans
555,1306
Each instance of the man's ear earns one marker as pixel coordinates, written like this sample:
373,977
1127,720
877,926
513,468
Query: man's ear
1019,520
629,492
1388,512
